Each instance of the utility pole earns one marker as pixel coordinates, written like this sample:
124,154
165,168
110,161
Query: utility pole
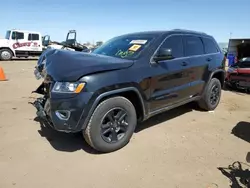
229,43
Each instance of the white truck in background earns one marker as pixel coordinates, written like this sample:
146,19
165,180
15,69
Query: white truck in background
20,43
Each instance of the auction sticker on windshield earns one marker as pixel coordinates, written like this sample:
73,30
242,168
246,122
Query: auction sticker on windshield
138,42
134,48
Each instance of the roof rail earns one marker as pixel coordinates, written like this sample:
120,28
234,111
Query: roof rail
189,31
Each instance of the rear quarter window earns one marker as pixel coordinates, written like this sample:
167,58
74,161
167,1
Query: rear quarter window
210,46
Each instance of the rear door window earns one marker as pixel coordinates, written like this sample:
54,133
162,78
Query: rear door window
193,46
33,37
175,44
210,46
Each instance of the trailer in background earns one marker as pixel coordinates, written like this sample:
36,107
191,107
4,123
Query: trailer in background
238,49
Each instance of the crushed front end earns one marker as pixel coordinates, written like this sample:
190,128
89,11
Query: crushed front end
62,109
61,104
42,103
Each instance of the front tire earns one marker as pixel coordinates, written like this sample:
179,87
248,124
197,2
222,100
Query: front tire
212,95
111,125
5,55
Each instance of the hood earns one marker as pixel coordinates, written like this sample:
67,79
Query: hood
234,70
63,65
4,42
241,68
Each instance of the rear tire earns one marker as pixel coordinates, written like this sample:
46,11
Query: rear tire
111,125
212,95
5,55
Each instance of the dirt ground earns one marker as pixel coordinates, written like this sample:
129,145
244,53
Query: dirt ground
180,148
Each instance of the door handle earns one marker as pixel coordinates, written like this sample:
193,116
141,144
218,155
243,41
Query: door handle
209,59
184,63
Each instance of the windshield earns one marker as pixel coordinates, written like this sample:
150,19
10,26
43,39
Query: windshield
243,63
127,47
7,36
245,59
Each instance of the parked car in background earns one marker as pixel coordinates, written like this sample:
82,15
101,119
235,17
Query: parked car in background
126,80
238,74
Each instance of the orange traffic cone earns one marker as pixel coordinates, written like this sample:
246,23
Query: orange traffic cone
2,75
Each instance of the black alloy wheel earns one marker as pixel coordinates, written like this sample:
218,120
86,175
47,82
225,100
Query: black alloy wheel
215,94
111,125
114,125
211,96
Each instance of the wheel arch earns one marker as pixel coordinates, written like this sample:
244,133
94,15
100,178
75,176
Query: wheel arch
130,93
13,53
220,75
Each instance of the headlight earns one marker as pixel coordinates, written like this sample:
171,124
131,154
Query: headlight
68,87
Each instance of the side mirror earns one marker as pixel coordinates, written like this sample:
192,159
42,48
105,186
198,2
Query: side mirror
164,54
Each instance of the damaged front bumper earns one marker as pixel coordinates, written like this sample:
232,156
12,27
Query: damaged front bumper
39,105
62,119
62,113
42,112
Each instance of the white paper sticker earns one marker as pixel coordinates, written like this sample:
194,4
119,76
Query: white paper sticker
138,42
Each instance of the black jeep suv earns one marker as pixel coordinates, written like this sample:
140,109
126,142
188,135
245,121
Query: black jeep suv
128,79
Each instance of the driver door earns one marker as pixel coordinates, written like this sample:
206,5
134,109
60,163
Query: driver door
170,80
18,41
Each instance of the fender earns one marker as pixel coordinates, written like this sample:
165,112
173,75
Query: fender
211,76
13,52
216,71
109,93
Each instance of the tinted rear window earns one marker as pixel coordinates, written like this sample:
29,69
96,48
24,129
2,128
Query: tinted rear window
210,46
193,46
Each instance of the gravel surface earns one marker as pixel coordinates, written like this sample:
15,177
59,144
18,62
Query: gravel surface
180,148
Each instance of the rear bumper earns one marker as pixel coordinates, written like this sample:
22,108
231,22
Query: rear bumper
63,114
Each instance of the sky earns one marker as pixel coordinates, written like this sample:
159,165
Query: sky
96,20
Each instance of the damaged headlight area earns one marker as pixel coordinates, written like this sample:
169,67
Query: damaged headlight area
68,87
40,70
